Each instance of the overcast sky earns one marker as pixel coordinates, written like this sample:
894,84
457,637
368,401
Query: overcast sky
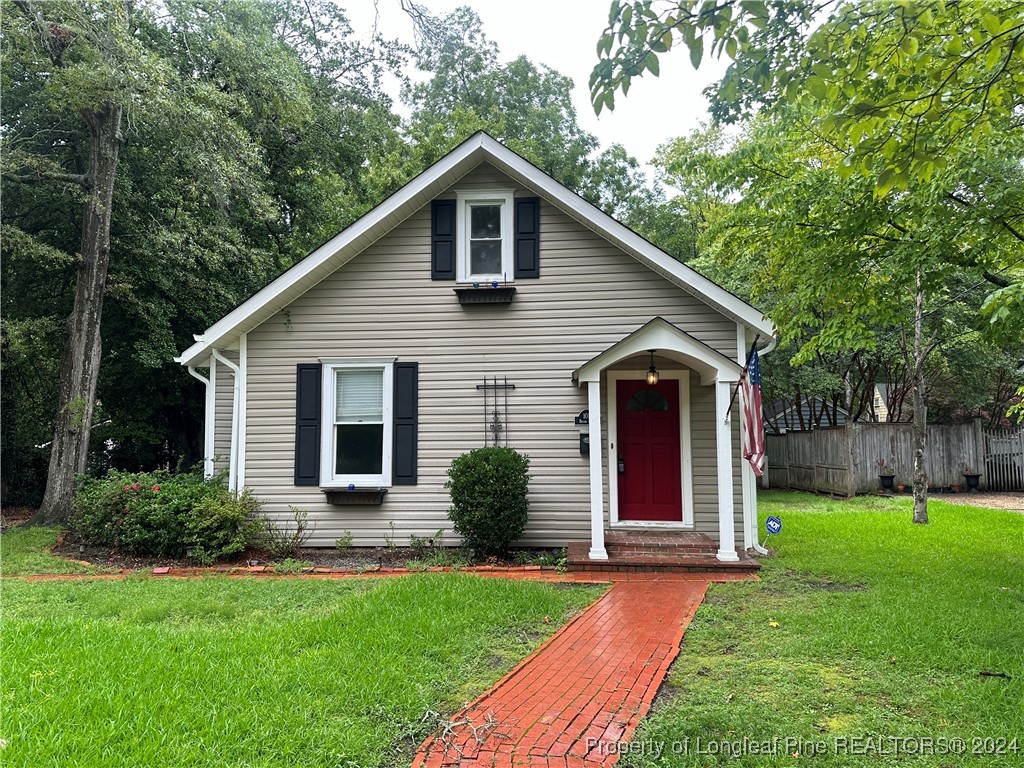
563,35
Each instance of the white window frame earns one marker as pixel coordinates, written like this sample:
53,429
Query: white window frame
465,200
328,443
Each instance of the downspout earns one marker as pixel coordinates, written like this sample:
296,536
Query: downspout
233,460
208,422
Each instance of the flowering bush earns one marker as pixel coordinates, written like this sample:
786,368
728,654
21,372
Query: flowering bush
157,513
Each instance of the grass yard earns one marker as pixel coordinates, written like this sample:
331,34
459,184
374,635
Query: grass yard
223,671
863,625
27,550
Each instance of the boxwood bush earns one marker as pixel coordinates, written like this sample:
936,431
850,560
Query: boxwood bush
488,487
164,515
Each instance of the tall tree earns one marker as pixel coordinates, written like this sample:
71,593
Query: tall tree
885,107
245,129
525,105
96,68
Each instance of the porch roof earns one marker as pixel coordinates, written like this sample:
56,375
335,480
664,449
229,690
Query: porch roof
669,341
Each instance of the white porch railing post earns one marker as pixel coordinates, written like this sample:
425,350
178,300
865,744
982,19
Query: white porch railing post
597,550
723,435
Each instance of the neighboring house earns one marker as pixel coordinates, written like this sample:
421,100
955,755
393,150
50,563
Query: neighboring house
880,403
388,351
785,415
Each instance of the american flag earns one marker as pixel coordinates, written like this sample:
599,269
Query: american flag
753,416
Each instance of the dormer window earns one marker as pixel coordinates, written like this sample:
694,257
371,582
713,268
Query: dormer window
484,244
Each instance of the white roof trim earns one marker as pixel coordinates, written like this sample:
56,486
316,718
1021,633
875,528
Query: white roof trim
663,337
478,148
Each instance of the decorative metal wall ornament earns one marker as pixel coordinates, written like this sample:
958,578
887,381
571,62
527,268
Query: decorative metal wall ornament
495,410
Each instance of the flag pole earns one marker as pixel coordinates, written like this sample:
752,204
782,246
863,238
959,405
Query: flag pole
736,391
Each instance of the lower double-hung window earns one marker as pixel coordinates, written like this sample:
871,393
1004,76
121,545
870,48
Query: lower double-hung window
357,441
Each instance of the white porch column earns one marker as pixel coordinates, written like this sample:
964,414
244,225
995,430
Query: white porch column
597,550
723,441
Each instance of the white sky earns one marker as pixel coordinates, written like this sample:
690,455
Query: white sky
563,35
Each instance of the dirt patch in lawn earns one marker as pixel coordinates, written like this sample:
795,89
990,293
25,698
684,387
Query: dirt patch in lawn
1012,501
11,516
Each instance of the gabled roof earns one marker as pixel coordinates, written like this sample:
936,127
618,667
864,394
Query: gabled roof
478,148
669,340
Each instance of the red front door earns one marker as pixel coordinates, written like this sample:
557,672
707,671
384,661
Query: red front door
648,451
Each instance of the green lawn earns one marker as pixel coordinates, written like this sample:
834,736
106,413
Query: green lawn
882,630
26,550
223,671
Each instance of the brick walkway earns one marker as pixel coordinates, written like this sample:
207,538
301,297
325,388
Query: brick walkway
586,688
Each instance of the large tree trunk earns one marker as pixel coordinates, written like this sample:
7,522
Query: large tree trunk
81,364
920,429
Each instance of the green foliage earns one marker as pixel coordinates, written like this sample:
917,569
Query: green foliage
526,106
292,567
905,113
344,543
421,545
286,539
834,264
247,131
488,487
160,514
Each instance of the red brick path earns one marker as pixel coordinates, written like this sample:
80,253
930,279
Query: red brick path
586,688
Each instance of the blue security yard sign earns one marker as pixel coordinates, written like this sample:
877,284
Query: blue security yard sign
773,524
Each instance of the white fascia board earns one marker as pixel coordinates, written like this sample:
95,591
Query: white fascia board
330,256
600,222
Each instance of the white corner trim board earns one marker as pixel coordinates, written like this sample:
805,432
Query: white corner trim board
597,548
724,452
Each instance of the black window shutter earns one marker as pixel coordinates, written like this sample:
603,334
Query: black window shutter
403,457
307,424
527,246
442,240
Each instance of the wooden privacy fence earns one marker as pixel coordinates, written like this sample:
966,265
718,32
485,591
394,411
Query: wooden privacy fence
843,460
1004,459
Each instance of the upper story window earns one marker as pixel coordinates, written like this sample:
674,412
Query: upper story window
484,244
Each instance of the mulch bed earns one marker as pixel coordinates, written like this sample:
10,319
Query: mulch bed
356,558
11,516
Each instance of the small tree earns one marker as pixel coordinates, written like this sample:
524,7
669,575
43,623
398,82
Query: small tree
488,487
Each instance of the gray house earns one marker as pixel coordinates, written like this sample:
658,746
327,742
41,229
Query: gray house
485,303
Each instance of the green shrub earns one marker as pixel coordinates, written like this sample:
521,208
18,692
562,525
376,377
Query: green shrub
488,487
283,540
165,515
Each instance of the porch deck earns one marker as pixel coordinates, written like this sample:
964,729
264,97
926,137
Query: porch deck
656,552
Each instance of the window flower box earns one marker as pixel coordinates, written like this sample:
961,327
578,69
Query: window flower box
485,294
341,497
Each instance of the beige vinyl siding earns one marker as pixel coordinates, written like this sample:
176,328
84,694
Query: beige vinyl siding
384,304
223,406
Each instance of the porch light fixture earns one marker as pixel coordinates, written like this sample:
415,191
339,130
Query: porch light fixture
652,372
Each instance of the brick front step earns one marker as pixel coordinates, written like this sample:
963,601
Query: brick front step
675,556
